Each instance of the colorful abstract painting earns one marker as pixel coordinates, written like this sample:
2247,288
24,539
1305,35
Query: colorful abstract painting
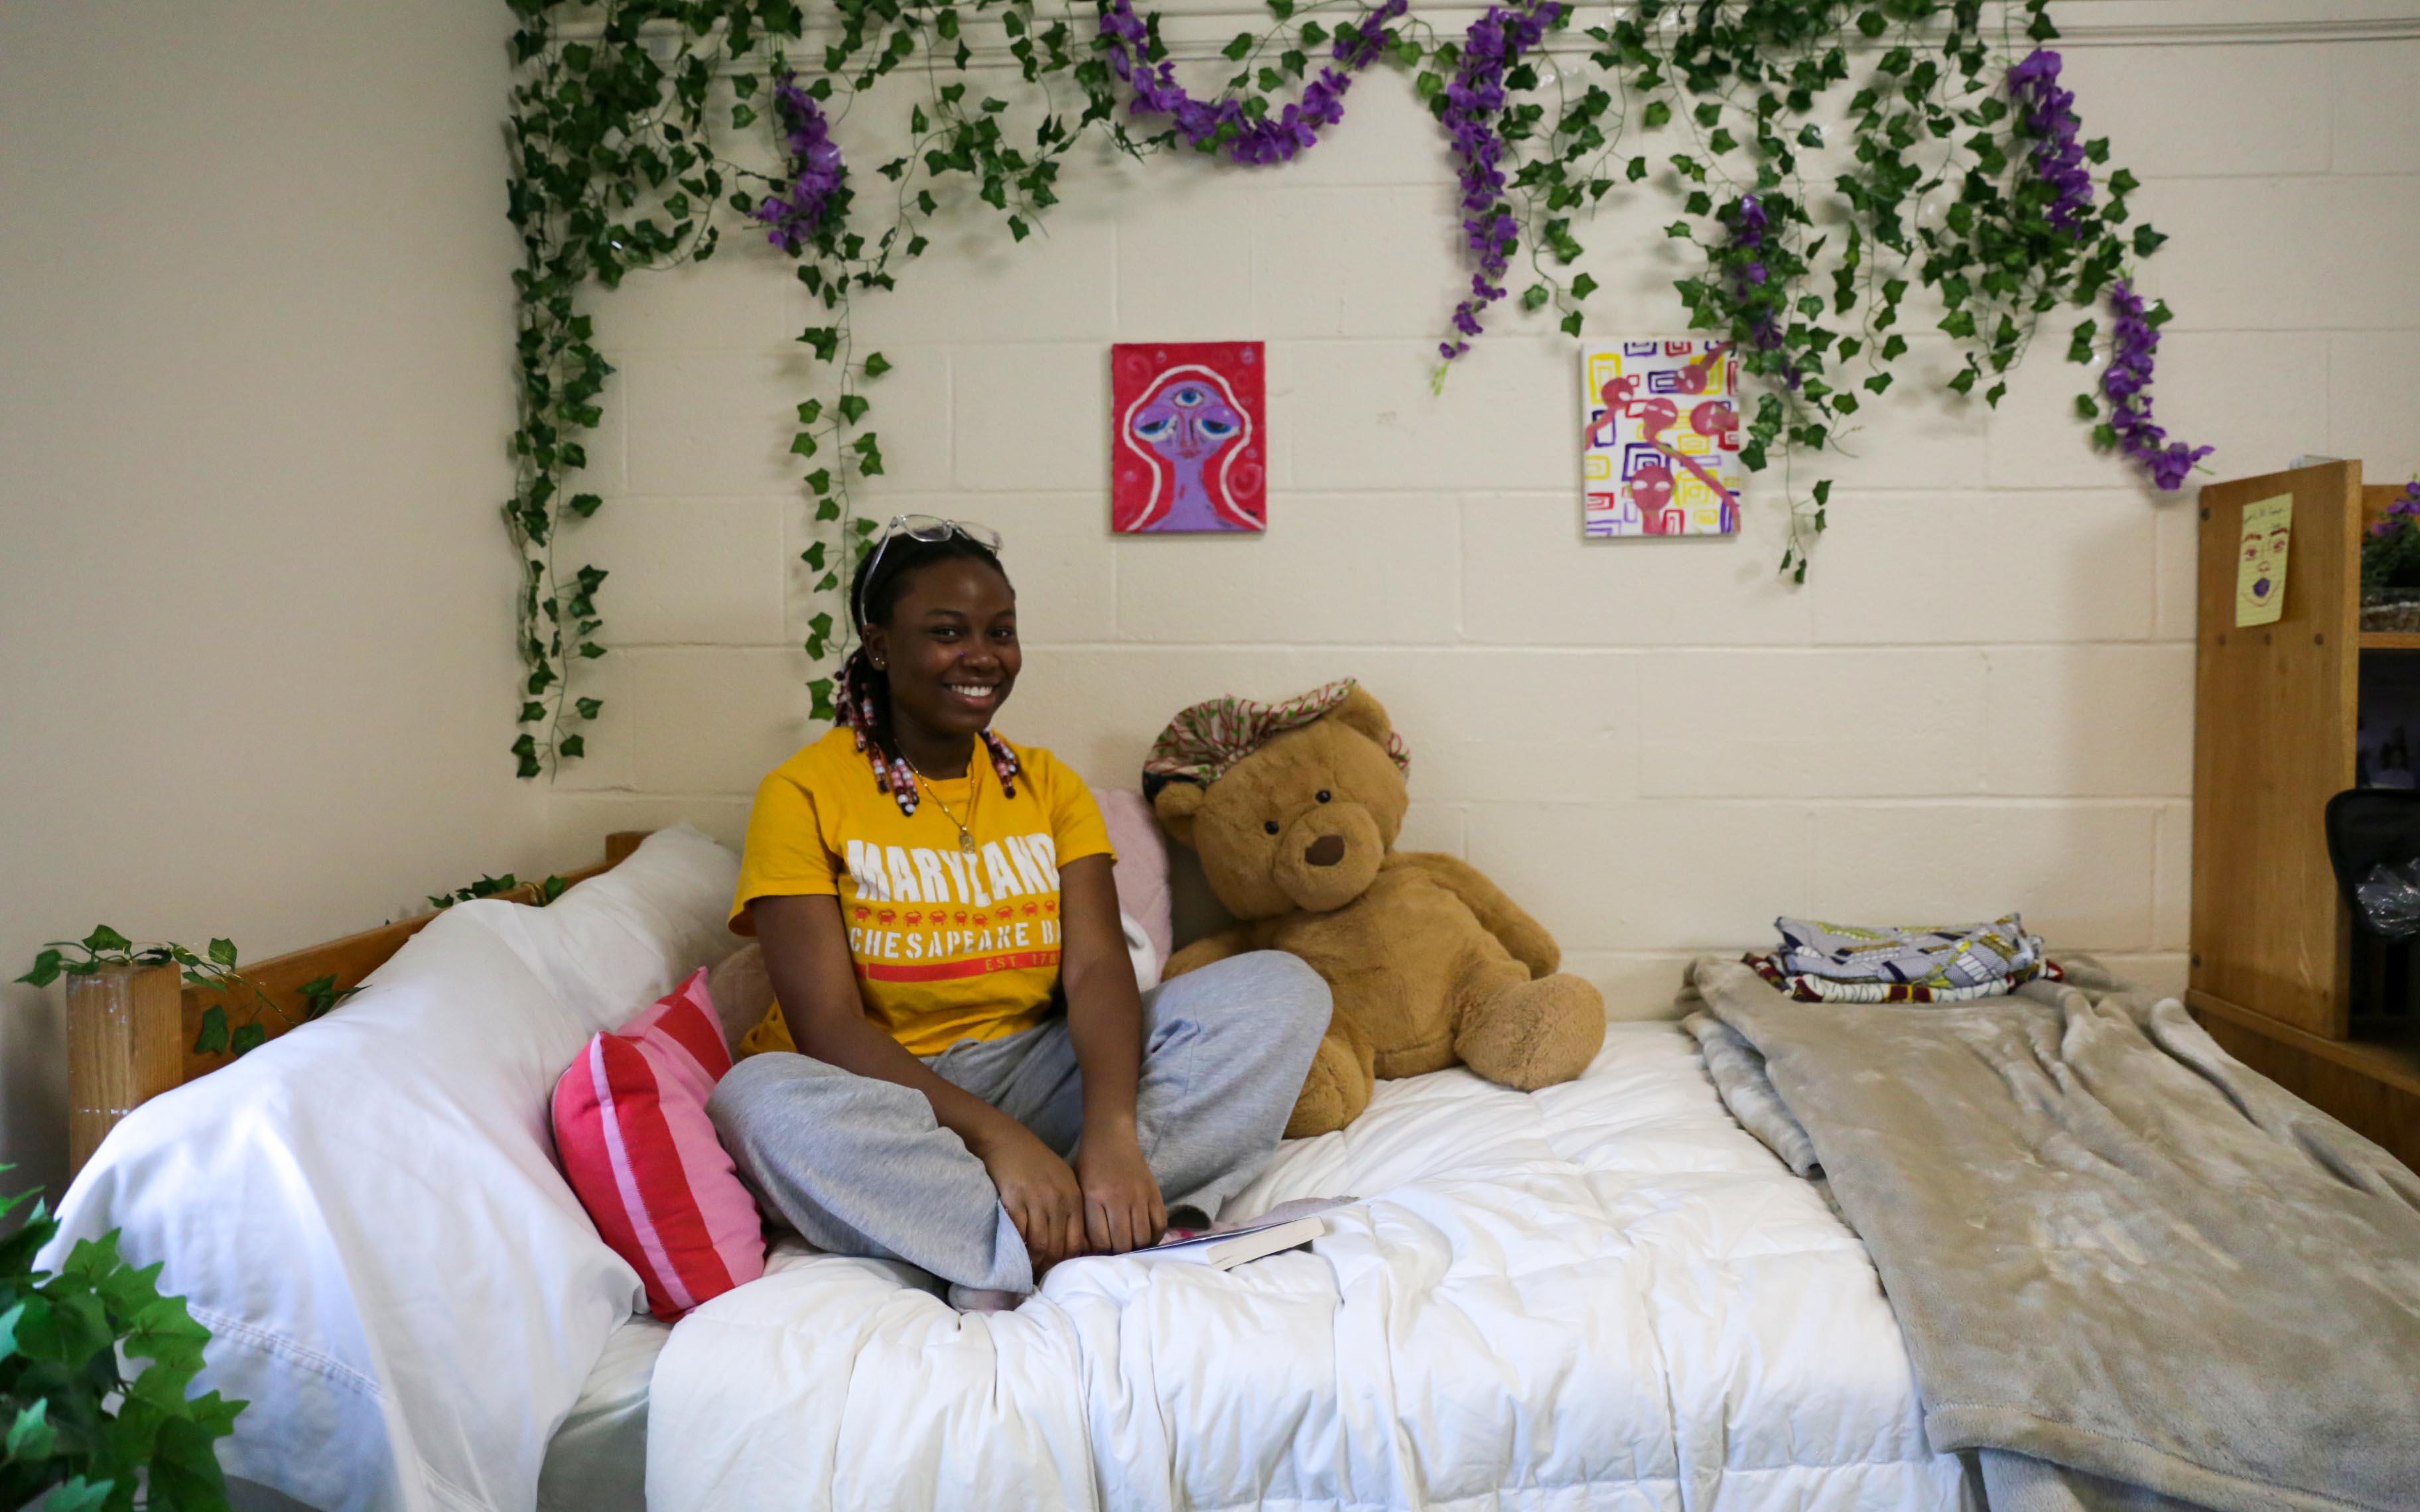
1189,451
1660,454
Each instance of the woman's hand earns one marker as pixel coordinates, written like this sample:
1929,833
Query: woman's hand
1123,1208
1040,1193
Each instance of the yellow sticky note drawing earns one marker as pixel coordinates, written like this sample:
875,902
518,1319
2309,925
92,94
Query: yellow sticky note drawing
2260,559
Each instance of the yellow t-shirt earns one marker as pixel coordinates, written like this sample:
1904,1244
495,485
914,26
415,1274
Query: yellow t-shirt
949,944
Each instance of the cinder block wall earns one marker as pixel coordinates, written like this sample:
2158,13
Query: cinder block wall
1982,698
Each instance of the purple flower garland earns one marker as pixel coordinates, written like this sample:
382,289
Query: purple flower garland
2127,381
2058,158
1267,139
793,215
1472,103
2059,161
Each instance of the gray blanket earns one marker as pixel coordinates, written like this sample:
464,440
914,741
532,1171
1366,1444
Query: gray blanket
2126,1266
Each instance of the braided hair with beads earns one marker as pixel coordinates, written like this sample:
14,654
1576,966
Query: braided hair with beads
862,689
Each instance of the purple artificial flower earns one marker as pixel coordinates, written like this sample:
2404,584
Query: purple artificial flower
1268,139
1473,100
793,215
2127,382
2048,115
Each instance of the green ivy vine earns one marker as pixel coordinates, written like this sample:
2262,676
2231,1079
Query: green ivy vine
1828,157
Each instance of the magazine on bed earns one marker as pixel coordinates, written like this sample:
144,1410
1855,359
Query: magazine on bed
1224,1246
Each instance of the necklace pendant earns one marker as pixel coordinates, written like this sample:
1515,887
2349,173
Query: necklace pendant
966,842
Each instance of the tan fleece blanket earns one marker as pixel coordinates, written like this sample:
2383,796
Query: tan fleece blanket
2127,1265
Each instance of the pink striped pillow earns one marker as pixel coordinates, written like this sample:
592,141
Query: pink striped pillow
629,1120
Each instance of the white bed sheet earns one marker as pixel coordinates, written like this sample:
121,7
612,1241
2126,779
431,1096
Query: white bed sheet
1603,1295
596,1462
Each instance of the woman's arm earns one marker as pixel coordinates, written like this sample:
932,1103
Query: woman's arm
806,956
1124,1209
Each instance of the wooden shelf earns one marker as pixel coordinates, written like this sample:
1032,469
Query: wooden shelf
2395,1065
2390,640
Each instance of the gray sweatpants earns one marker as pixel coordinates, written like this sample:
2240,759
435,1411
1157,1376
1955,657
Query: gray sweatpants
859,1166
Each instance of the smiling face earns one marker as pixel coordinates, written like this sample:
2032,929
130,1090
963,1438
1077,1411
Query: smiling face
1189,420
948,648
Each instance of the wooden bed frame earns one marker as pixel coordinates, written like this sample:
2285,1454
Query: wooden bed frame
131,1033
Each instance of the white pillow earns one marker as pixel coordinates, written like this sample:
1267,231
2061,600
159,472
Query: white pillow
367,1213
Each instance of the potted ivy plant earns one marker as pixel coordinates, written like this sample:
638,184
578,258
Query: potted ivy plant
2390,566
82,1430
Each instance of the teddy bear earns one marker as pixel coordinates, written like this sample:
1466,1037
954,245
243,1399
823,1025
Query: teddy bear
1294,809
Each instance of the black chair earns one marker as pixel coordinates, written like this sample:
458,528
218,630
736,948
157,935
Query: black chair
2369,828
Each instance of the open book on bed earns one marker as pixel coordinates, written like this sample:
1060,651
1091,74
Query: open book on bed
1224,1246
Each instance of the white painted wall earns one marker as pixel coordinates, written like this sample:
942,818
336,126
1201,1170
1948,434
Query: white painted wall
256,656
1981,701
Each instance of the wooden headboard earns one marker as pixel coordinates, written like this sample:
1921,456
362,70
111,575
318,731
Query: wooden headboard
131,1034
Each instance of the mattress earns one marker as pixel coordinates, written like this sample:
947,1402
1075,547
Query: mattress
1604,1295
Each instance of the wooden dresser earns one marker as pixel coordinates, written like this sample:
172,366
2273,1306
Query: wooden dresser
2277,710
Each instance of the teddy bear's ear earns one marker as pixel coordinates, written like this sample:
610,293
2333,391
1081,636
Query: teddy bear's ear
1361,712
1176,805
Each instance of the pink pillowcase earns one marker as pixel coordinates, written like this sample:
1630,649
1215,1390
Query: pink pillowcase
1140,873
631,1124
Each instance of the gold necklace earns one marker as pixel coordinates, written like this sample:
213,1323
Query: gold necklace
966,836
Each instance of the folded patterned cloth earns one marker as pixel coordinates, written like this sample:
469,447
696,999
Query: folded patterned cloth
1811,989
1948,957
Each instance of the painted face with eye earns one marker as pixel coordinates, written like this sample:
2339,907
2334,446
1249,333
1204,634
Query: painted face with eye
1186,421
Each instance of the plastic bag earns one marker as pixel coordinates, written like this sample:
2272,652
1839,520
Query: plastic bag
2389,900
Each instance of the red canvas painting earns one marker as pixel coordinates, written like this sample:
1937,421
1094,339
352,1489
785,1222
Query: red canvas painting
1190,449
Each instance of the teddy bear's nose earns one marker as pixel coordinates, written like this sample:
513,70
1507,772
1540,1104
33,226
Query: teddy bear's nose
1326,850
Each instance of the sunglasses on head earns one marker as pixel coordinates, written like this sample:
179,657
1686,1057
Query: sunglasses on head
928,528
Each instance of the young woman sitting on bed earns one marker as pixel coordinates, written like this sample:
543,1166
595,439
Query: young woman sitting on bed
982,1090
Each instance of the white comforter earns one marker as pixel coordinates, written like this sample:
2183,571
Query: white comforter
1602,1295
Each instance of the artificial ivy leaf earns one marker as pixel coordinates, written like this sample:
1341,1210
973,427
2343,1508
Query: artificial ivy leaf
811,411
1239,49
1963,382
2146,240
1572,324
1583,286
77,1494
221,952
103,938
820,481
1637,169
1871,23
1428,85
252,1035
804,444
1679,230
853,407
31,1436
827,509
1658,112
1407,51
1534,295
46,971
820,692
214,1036
1017,229
583,505
571,747
877,364
590,650
2086,408
589,708
526,750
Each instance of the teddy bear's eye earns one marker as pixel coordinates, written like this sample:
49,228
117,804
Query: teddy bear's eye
1270,825
1323,794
